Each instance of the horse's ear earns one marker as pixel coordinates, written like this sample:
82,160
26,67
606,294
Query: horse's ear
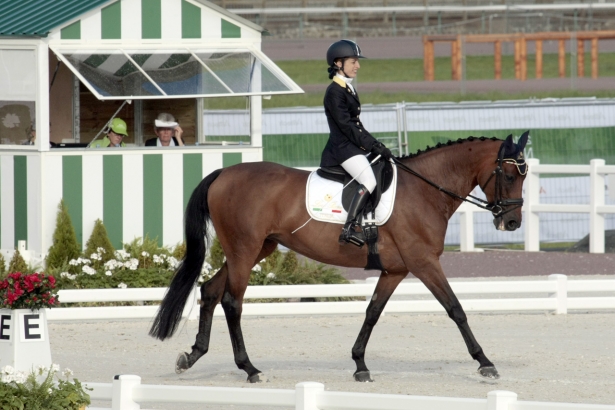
509,145
523,140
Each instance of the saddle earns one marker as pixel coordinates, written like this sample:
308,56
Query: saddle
383,171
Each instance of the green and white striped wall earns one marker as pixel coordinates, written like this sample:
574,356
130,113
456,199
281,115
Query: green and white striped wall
130,20
134,192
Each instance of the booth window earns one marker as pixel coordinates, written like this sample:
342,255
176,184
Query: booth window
179,73
18,74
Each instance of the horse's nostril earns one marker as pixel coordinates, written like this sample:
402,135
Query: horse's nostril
512,225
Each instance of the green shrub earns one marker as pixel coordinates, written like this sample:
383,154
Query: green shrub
20,390
99,243
17,263
65,246
180,251
216,256
3,271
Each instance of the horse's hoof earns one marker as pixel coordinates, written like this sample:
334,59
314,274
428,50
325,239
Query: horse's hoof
181,365
489,372
258,378
363,377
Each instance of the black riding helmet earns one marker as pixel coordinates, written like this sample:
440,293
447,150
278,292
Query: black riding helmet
342,49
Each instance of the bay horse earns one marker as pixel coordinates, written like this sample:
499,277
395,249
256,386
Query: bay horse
256,206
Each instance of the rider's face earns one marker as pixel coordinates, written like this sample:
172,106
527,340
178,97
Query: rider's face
350,67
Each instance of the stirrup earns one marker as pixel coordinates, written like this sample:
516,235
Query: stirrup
349,235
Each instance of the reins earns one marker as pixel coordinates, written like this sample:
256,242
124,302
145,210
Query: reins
496,207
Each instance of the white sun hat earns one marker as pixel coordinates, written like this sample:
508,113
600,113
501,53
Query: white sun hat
165,120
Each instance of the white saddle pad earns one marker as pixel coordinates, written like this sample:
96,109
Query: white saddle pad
323,199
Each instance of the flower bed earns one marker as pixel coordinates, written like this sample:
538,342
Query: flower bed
28,291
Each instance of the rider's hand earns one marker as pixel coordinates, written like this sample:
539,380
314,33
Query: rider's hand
379,149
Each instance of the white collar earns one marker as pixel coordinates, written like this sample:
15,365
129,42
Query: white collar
346,79
158,144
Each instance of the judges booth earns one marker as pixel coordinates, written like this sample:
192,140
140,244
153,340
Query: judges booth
67,71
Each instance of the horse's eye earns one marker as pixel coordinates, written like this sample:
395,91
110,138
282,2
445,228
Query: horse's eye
509,178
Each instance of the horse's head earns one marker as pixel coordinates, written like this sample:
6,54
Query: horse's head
502,183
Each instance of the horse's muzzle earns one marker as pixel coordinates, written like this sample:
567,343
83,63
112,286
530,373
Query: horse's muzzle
506,224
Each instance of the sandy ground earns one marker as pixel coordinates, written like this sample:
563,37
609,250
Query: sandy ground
540,356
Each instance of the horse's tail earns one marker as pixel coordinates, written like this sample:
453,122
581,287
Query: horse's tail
196,221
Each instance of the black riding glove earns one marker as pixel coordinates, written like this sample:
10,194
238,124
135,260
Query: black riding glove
379,149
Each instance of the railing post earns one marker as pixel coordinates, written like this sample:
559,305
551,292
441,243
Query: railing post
306,395
122,392
194,301
561,293
466,227
596,199
500,399
532,197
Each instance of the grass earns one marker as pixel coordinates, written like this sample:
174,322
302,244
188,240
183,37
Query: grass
411,70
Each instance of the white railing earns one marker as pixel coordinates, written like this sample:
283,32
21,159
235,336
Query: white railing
550,294
127,393
596,209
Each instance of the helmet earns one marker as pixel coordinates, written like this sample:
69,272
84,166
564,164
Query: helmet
118,126
343,49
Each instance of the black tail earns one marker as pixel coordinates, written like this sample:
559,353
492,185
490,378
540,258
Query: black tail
196,220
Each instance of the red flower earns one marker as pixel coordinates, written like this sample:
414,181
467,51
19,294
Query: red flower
11,297
52,280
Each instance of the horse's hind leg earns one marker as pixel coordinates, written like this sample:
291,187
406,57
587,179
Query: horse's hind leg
232,302
433,277
211,293
384,289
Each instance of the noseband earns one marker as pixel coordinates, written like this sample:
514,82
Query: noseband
496,207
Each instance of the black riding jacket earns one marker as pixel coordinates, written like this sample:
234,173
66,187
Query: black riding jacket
347,136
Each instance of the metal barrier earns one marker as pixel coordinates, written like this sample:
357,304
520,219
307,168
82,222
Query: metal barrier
549,295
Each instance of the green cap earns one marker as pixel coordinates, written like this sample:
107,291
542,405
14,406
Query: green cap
118,126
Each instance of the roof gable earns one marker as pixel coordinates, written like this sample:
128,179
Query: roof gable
92,20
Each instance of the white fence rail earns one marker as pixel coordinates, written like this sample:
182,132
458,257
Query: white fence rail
597,209
127,393
550,294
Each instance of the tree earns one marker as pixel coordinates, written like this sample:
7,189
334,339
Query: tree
18,264
2,267
65,246
99,239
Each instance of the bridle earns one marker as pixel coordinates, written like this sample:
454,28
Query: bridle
498,205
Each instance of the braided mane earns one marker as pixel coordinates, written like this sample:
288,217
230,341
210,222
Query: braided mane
448,143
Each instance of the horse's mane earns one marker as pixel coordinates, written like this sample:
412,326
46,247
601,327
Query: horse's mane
448,143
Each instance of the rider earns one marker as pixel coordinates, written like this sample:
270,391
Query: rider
349,142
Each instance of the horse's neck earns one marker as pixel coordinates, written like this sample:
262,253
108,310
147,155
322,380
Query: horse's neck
456,167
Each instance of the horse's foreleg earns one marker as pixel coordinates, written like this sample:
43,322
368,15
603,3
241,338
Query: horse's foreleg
384,289
211,294
436,282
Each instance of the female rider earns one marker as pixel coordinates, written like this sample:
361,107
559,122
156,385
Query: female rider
349,142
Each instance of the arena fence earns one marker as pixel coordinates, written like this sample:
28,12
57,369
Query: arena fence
551,294
127,393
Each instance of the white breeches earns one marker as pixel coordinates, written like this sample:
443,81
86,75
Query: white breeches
358,167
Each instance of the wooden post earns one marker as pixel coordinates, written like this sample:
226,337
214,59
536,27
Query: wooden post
517,59
538,59
595,57
581,58
523,58
562,58
497,56
456,58
428,60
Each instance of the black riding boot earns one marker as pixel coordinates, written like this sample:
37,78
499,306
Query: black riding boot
349,235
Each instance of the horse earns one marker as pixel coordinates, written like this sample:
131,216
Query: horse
256,206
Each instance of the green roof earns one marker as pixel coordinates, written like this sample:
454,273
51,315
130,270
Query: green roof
36,18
